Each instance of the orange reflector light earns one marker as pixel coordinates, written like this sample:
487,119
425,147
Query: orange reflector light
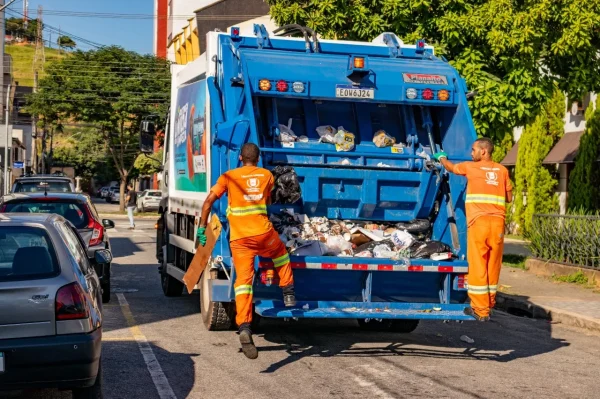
443,95
156,226
427,94
264,85
359,62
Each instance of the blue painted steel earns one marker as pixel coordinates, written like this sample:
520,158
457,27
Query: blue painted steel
380,184
362,310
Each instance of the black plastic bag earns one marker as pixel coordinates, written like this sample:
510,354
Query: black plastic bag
371,245
424,249
416,226
287,187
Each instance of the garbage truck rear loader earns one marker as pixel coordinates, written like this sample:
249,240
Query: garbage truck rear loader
353,124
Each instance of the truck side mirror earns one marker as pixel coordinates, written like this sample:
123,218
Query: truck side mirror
147,135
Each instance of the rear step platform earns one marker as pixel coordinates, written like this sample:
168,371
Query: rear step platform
362,310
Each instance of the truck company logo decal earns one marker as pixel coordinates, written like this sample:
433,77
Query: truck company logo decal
420,78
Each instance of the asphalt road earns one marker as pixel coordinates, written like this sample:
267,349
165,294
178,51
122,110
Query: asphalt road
156,344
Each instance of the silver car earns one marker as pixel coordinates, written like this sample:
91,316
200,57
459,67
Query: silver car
149,200
51,307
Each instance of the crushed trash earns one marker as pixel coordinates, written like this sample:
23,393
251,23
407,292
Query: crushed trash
467,339
344,140
383,165
382,139
327,134
425,249
286,134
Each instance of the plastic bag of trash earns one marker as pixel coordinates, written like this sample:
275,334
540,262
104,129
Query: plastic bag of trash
382,139
383,251
424,249
415,226
370,246
327,134
286,134
311,248
287,187
364,254
344,140
402,239
337,245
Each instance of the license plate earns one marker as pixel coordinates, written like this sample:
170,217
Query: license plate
2,362
354,92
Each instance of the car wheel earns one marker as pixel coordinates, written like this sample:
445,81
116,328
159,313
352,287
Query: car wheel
93,392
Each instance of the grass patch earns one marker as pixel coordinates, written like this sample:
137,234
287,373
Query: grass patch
516,261
515,237
573,278
22,58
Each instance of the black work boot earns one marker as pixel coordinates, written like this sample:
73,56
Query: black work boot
289,297
471,312
248,346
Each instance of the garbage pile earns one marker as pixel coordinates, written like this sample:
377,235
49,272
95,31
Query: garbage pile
319,236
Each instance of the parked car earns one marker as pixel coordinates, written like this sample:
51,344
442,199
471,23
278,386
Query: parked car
149,200
105,192
43,183
99,192
77,209
114,195
51,310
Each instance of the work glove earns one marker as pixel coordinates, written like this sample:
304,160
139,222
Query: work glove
201,235
440,155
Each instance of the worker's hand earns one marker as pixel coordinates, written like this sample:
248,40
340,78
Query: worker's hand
201,234
440,155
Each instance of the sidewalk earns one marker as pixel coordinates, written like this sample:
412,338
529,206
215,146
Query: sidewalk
525,294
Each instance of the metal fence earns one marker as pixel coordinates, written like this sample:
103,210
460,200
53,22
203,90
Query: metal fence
567,239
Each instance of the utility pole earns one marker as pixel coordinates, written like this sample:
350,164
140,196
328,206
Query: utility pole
34,161
39,58
8,143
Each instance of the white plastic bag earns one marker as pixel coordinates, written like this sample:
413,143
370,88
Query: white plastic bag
286,134
338,246
327,134
402,239
344,140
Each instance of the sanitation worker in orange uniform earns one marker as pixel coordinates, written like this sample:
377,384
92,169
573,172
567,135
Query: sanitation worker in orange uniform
251,233
488,191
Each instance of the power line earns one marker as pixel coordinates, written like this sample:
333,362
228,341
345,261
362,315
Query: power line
90,14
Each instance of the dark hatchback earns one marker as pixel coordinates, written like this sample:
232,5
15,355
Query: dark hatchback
78,209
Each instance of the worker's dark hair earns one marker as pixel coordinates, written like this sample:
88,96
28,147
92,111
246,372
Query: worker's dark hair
486,143
250,153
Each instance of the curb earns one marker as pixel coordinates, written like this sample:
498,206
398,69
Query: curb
519,306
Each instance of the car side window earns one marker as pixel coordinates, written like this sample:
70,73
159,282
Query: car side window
75,245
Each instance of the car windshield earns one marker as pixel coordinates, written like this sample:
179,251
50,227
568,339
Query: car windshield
72,211
26,253
154,194
42,186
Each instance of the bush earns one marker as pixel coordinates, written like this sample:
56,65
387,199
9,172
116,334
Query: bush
573,239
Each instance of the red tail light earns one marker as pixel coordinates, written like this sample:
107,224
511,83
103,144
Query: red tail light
98,229
282,85
427,94
462,281
70,303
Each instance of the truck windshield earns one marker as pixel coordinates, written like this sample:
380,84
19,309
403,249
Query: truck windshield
26,253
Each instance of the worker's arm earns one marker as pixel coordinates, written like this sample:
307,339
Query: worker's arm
206,207
509,197
447,164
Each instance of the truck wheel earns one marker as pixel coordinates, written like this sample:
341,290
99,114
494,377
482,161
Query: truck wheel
404,325
216,316
170,285
374,324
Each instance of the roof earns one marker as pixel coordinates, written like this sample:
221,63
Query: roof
511,158
40,195
27,217
565,150
44,177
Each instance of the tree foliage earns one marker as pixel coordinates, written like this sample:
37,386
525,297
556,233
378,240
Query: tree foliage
584,180
16,27
110,89
149,165
66,42
533,179
511,52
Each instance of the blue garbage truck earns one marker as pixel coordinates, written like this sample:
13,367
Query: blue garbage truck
394,104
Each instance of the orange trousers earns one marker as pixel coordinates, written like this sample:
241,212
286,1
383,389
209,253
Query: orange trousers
244,251
484,253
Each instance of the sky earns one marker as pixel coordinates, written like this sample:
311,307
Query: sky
131,34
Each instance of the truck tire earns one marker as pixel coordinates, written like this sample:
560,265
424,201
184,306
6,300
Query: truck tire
170,285
216,316
404,325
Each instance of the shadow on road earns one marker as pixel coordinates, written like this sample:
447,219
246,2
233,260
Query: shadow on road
505,339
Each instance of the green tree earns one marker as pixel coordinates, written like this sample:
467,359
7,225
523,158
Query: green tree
584,180
511,52
533,179
66,42
83,149
149,165
110,89
16,27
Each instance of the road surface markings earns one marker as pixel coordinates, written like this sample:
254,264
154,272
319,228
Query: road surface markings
158,377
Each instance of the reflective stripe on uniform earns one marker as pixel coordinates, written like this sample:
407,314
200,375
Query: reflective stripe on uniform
243,290
281,261
493,289
478,289
486,199
247,210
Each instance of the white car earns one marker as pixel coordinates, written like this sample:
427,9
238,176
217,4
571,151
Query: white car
149,200
113,195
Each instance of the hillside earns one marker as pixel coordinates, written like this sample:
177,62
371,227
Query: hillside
23,61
